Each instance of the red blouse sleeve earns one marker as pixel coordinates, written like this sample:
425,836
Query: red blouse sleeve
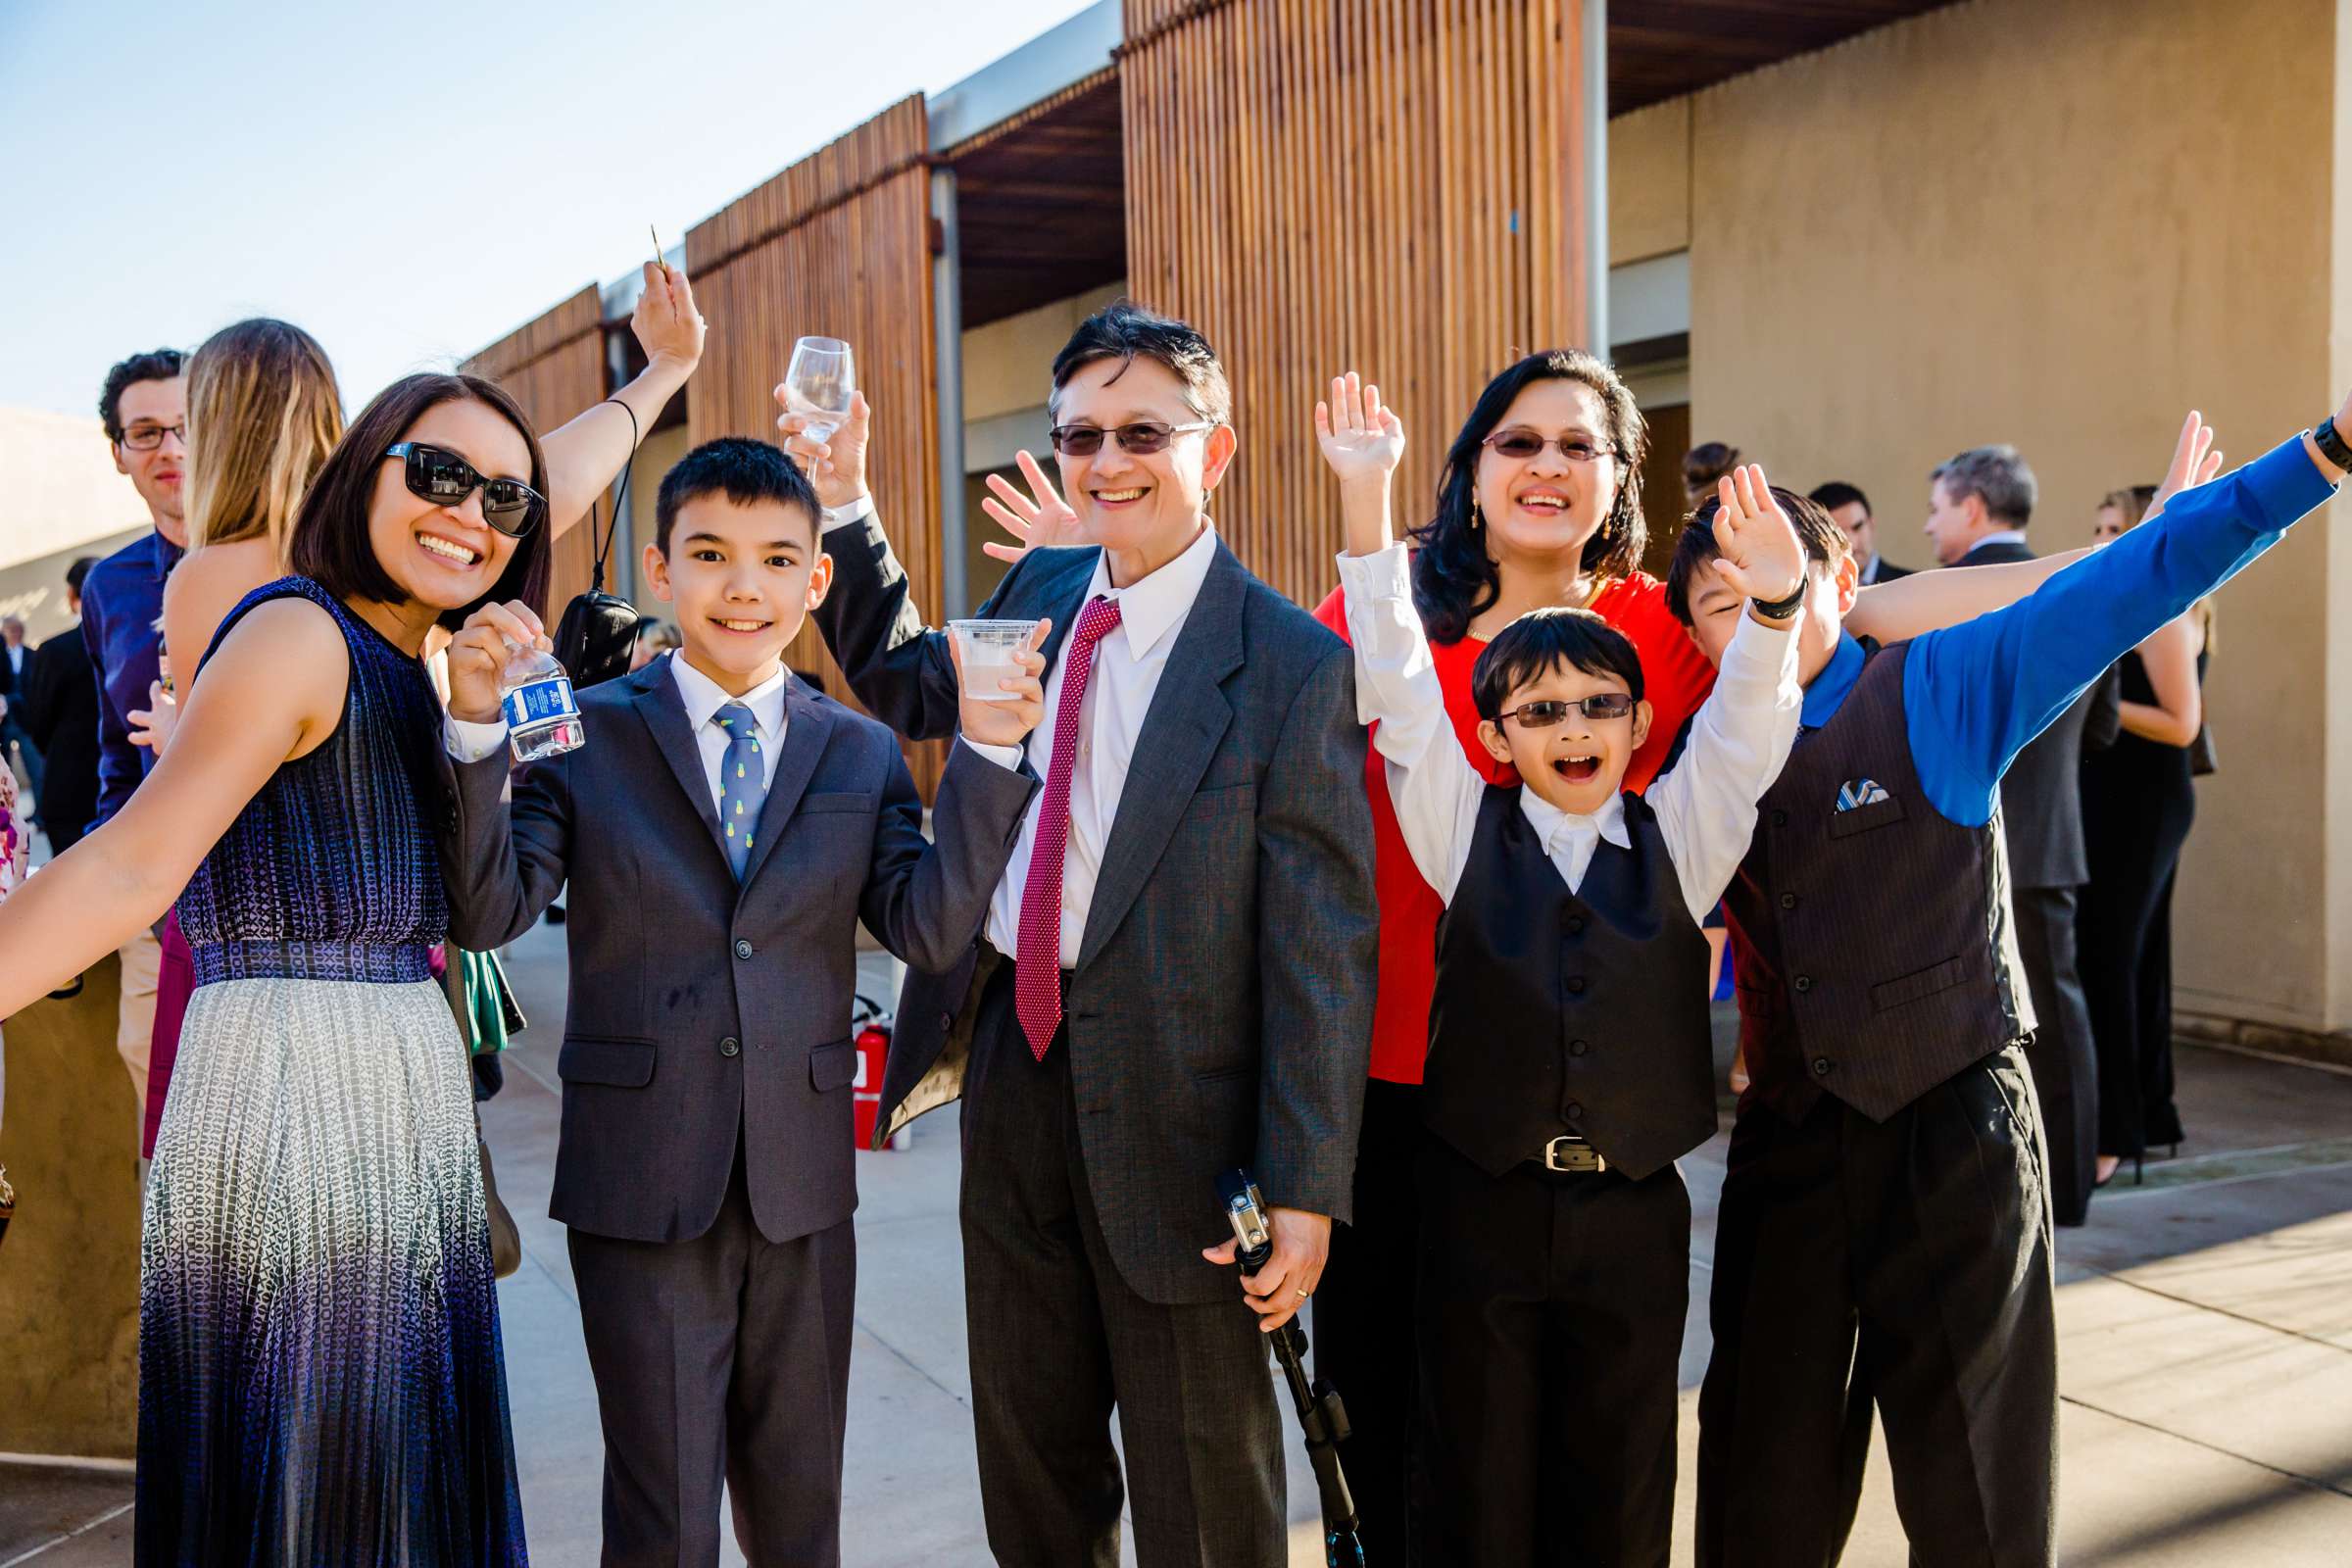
1676,676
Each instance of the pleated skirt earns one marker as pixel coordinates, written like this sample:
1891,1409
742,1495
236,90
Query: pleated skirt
320,1378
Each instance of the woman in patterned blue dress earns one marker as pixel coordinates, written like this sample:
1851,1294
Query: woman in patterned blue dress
321,1374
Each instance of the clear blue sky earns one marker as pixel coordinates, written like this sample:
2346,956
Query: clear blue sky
407,183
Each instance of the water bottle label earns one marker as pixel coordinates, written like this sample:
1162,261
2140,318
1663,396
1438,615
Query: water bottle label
540,701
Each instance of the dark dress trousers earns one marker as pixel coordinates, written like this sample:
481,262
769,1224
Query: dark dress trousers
1551,1303
1218,1014
2042,804
1883,1233
706,1165
60,698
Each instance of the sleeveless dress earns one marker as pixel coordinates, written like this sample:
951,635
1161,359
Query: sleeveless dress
2138,802
321,1377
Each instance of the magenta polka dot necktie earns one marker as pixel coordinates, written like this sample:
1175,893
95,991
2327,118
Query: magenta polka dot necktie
1037,973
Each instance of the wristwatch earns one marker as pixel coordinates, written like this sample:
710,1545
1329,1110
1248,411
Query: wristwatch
2330,443
1782,608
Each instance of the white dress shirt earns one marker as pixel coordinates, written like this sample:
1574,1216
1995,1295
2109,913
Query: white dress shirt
1128,665
1705,805
470,742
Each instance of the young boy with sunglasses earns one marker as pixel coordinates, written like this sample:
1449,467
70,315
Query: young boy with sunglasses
722,834
1570,1055
1884,1228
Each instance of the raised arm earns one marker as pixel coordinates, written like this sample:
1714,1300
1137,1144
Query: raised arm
1978,693
586,453
1929,601
1435,789
1741,735
273,691
900,669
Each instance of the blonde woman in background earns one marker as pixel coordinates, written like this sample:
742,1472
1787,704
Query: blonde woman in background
2137,805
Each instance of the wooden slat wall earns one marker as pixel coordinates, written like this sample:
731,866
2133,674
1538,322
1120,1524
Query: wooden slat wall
1390,185
555,367
839,245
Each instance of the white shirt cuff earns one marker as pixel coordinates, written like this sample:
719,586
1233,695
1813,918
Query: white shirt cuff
833,517
1007,757
468,742
1388,574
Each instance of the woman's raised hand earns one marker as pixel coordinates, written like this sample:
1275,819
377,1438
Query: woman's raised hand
1361,438
1759,554
1038,520
667,325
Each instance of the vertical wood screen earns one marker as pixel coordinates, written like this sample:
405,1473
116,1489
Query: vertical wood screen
555,367
838,245
1393,186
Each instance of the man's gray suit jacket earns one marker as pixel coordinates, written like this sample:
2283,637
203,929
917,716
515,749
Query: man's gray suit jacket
1220,1010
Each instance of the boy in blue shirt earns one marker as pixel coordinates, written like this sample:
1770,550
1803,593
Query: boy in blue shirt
1885,1231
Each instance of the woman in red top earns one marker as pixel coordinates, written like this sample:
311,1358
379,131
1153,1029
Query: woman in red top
1538,504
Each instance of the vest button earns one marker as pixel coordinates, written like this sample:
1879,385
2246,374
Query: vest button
947,1020
1779,820
743,950
1788,901
1805,983
1576,1047
1576,985
1575,1111
1576,923
1820,1067
729,1047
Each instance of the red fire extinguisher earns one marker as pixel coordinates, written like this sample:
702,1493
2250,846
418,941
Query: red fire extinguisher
866,1090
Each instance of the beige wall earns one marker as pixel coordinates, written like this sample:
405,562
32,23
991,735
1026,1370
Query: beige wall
1007,364
2063,225
1650,181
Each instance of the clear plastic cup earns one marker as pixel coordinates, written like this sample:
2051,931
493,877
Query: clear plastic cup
987,649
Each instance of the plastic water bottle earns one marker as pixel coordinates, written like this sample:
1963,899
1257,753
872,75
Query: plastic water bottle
542,720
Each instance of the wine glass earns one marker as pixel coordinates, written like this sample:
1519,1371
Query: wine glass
819,383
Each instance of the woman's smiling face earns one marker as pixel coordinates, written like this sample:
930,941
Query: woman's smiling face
1549,504
447,556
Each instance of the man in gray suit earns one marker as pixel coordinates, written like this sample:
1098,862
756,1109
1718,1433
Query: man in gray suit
1176,978
723,831
1979,505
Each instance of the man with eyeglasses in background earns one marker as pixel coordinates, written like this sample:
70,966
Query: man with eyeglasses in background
145,409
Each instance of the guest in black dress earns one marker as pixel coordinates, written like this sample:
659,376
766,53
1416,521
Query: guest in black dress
2138,804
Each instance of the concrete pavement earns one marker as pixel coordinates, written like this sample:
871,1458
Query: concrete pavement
2205,1323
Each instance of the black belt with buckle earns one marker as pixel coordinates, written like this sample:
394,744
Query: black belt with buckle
1569,1153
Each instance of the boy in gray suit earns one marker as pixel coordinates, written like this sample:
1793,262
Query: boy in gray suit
722,831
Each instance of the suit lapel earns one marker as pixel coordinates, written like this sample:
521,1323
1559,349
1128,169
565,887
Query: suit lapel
664,713
807,727
1187,718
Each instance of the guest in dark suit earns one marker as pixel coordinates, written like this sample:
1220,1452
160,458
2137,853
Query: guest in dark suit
60,710
1849,508
15,666
1979,506
722,832
1177,973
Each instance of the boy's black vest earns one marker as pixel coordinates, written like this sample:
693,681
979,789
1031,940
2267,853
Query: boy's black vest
1875,953
1559,1011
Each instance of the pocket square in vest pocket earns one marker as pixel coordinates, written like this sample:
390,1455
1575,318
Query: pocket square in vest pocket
1862,806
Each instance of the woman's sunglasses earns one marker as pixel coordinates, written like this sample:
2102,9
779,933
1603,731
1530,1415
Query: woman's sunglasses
1521,445
446,480
1543,715
1140,439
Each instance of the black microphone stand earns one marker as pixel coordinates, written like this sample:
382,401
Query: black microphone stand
1322,1418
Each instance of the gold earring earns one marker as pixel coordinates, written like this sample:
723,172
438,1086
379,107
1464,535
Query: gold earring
1478,519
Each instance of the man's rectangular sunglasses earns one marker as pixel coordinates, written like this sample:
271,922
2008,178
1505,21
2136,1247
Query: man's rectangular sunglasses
1140,439
1543,715
446,480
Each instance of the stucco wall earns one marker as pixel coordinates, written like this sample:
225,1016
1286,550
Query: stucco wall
1650,181
2062,226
